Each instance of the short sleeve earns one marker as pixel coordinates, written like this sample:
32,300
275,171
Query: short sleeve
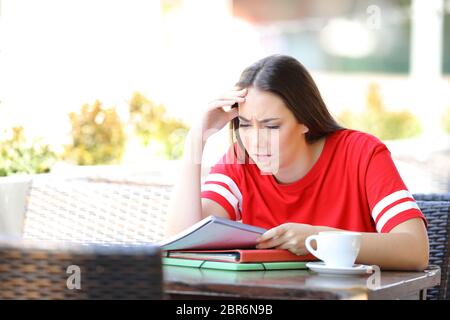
222,185
390,201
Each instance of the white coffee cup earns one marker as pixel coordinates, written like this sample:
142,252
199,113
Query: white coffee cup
338,249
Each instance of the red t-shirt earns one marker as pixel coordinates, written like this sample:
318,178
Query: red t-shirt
354,185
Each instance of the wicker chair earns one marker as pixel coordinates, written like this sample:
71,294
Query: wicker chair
108,229
432,196
438,215
96,211
45,270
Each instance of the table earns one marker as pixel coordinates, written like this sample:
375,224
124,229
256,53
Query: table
195,283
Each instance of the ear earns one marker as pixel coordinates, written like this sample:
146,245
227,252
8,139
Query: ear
304,129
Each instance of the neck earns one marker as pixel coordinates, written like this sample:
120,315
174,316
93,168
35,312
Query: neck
301,163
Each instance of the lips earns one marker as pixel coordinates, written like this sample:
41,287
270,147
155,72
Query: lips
262,156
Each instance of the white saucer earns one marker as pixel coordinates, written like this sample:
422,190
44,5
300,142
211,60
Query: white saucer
320,267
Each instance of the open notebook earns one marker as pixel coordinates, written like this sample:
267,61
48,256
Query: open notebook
214,233
218,243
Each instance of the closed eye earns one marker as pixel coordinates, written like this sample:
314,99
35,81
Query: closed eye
246,125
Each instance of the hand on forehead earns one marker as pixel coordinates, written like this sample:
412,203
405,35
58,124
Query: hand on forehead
260,105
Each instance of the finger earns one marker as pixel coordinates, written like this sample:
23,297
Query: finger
229,101
221,103
241,92
295,247
274,232
295,250
298,251
290,244
237,89
236,98
283,242
272,243
234,93
231,96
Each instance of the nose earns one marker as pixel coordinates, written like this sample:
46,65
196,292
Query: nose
260,141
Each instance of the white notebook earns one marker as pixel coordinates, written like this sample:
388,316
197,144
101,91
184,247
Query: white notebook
214,233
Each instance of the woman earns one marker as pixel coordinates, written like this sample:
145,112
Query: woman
296,172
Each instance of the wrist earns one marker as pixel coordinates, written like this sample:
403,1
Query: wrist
200,134
193,147
323,228
315,230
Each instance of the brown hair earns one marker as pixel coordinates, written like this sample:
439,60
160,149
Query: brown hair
288,78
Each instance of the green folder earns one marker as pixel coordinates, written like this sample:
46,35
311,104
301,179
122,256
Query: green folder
233,266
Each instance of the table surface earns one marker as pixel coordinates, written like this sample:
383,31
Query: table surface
186,282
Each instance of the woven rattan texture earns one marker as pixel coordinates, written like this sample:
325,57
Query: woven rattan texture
96,211
437,214
115,272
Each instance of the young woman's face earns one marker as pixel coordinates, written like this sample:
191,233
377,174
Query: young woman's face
269,131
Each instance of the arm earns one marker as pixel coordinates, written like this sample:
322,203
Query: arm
187,207
405,247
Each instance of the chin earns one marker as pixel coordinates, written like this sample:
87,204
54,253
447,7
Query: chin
267,168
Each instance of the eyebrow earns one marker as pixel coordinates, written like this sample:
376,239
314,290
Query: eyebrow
261,121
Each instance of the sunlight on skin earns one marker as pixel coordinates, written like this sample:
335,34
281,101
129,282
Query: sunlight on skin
267,126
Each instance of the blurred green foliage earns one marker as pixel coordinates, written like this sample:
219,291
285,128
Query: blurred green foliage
152,125
20,155
376,120
446,120
98,136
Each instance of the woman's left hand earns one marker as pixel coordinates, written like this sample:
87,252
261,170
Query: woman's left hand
290,236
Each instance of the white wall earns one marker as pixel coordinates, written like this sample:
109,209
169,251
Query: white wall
13,193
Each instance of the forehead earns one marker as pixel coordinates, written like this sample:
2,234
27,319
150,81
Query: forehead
262,104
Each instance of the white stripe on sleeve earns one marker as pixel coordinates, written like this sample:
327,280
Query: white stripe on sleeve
224,192
388,200
229,182
392,212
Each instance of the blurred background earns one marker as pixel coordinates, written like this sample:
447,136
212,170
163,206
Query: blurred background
112,87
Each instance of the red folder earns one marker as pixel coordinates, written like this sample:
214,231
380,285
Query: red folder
240,255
